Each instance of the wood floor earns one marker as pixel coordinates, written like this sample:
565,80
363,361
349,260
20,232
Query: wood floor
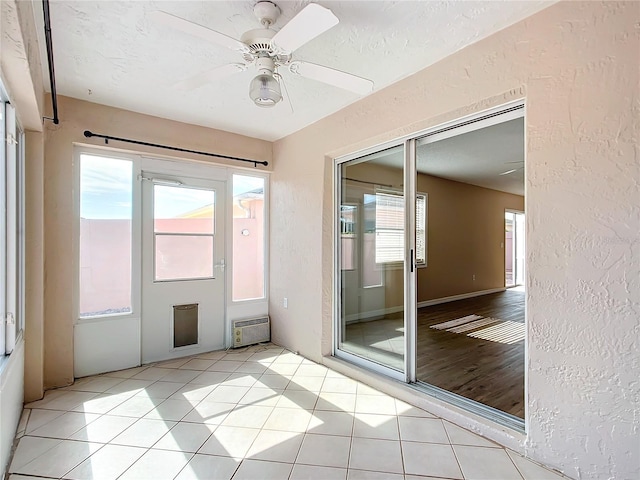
487,371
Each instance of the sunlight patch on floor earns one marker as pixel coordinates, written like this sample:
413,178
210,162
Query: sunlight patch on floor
505,332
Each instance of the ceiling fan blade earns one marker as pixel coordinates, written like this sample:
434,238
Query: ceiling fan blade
310,22
164,18
209,76
331,76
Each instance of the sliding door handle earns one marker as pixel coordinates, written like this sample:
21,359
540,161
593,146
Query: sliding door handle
411,260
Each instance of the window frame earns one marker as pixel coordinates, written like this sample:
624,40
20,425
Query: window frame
136,232
12,228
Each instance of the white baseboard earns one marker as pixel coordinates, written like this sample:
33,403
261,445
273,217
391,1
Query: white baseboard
462,296
375,314
372,315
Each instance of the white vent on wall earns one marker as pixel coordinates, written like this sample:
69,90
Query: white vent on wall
251,331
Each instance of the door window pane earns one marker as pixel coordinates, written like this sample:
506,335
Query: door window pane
180,257
183,210
105,235
248,237
184,226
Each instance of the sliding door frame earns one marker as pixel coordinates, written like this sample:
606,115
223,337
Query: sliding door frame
410,264
458,126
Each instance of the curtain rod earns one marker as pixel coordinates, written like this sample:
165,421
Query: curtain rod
52,74
90,134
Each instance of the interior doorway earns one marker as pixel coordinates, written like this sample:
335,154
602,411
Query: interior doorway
514,248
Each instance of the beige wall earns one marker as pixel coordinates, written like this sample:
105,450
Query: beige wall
20,62
34,267
61,245
575,63
465,238
465,233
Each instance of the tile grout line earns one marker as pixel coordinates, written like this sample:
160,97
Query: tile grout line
455,455
404,468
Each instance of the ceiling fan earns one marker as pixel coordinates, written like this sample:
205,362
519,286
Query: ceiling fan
270,51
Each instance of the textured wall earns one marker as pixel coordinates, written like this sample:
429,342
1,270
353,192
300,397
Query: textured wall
20,62
576,63
61,250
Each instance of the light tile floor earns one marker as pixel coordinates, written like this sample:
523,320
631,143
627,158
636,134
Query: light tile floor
259,413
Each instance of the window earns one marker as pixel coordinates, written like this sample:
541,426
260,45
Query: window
389,227
184,227
11,228
105,235
248,238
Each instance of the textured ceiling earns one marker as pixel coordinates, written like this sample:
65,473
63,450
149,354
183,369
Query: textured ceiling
112,52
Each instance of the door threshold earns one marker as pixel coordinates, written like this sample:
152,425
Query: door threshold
493,414
487,422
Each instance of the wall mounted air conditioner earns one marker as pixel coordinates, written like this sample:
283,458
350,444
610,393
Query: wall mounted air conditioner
251,331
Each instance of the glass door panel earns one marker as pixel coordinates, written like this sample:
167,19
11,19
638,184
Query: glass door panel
470,329
371,253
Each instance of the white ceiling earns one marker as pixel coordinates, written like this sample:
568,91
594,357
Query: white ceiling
111,52
479,157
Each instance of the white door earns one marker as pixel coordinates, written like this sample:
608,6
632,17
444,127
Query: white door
183,258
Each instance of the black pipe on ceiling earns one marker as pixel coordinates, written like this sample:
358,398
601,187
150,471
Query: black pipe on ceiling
89,134
52,75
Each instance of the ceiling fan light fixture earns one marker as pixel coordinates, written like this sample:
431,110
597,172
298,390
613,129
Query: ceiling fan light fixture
264,89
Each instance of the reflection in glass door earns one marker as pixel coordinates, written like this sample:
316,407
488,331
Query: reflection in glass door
514,248
371,257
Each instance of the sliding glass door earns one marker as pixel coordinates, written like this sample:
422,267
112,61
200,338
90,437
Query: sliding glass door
420,262
371,258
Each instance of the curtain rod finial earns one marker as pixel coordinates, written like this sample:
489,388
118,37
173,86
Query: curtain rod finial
88,134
